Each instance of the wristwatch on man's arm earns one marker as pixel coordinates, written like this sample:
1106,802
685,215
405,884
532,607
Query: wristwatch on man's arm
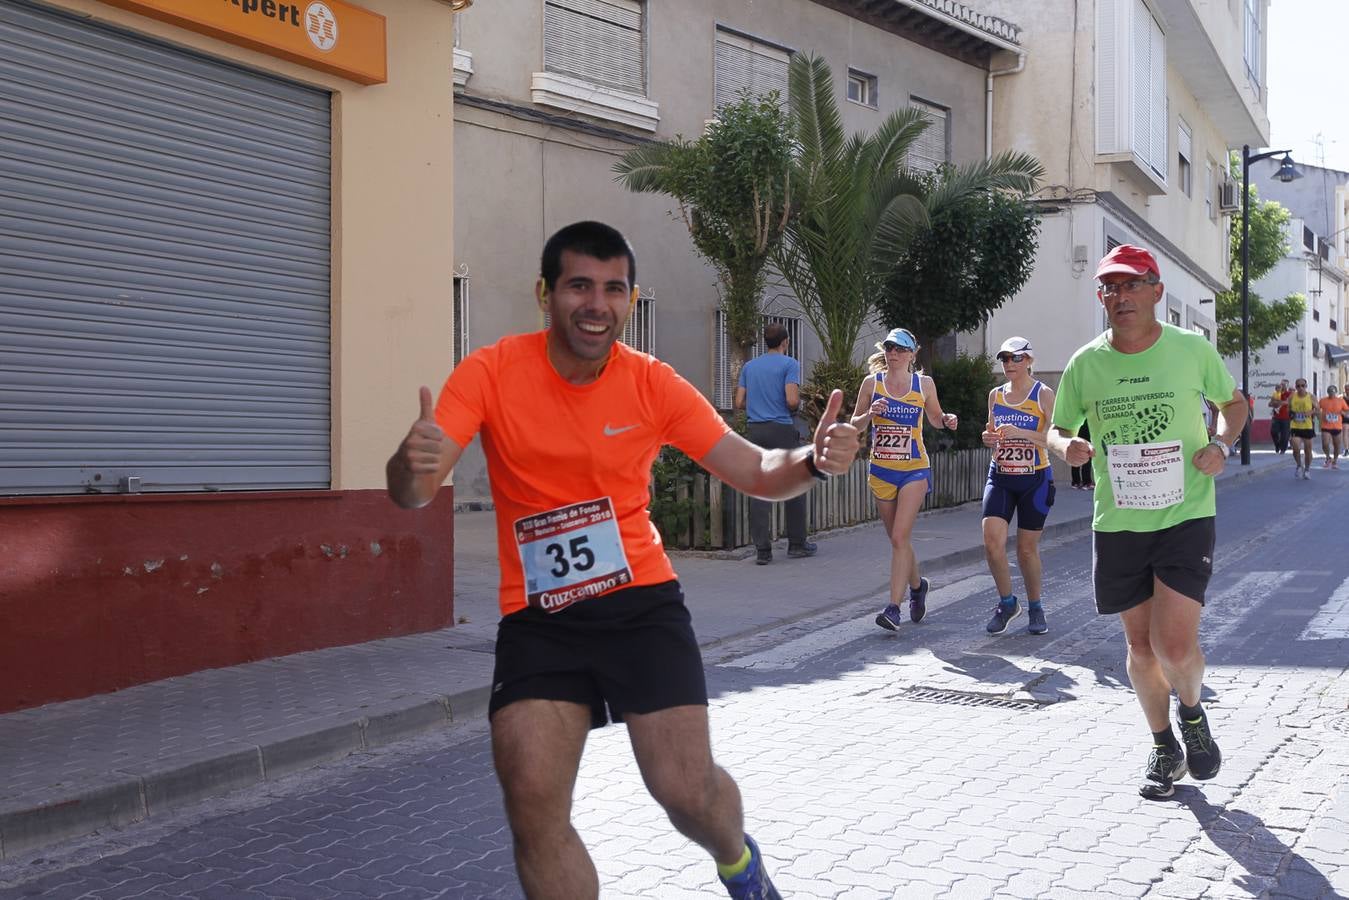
1227,450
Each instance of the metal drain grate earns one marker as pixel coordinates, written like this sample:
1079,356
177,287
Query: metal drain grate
965,698
1338,723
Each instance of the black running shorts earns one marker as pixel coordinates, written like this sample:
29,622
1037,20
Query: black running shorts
1124,563
1304,433
630,651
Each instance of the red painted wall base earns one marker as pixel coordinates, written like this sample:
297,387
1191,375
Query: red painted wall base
101,593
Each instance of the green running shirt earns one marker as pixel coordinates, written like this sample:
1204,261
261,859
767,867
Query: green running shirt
1154,399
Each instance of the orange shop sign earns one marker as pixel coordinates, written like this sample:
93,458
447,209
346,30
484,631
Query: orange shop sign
329,35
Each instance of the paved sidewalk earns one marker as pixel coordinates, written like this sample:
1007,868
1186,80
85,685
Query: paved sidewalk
76,767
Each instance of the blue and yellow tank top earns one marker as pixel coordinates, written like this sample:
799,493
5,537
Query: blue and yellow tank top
1301,408
897,436
1015,456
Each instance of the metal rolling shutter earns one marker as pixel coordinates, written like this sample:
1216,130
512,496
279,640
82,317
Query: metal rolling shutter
164,266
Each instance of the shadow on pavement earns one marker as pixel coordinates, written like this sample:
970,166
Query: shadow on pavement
1256,849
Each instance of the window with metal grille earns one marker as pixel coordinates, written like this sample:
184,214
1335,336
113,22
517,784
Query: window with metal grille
640,331
723,389
932,149
745,64
460,318
600,41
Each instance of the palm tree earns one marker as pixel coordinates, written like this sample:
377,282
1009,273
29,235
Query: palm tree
734,193
860,206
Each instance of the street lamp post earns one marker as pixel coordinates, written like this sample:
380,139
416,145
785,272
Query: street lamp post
1287,172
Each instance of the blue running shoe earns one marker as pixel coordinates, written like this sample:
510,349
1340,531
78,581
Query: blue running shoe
753,883
918,601
1037,625
889,618
1002,615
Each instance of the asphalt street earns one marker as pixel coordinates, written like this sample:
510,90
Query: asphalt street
932,762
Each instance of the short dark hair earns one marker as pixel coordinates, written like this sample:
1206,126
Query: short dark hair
593,239
774,333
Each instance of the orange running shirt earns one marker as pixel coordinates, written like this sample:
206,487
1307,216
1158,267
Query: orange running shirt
1332,413
570,465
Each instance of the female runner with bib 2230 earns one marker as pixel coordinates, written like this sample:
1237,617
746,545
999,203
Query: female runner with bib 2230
895,399
1020,481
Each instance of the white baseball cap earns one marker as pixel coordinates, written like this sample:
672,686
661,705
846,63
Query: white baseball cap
1016,345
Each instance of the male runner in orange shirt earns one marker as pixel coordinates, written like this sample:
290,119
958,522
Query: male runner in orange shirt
594,624
1332,411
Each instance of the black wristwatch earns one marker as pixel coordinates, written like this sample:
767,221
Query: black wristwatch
815,472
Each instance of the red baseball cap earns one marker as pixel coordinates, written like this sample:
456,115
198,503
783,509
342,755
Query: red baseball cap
1126,259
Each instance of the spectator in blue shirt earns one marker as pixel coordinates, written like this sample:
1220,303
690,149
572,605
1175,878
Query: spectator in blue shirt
769,391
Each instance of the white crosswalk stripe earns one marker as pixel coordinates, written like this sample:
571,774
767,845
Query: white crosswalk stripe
1331,621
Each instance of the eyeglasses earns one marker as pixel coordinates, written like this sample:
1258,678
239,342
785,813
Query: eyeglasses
1301,384
1013,357
891,346
1132,286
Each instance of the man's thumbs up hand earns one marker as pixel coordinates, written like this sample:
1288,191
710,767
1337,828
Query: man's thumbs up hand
422,451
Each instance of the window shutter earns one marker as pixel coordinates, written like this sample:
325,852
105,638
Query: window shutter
747,65
1156,100
929,151
597,40
1109,79
1140,81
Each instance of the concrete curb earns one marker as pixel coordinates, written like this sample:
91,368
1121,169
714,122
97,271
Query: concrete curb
134,793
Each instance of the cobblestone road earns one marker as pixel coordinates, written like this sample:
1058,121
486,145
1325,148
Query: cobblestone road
935,762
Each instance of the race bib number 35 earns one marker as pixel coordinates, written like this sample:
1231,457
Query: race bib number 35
893,442
571,553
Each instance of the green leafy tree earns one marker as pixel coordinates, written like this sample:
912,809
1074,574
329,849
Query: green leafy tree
1267,244
963,384
860,207
974,254
734,193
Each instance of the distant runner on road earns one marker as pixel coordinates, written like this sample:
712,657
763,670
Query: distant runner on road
1020,482
1303,410
1141,387
1331,414
594,625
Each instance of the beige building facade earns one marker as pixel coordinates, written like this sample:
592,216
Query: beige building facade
546,106
1132,106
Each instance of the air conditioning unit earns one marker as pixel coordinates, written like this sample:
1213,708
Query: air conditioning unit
1228,199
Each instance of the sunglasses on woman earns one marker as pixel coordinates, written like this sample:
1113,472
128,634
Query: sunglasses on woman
1013,357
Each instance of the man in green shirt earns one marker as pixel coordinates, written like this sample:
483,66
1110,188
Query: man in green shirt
1140,387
